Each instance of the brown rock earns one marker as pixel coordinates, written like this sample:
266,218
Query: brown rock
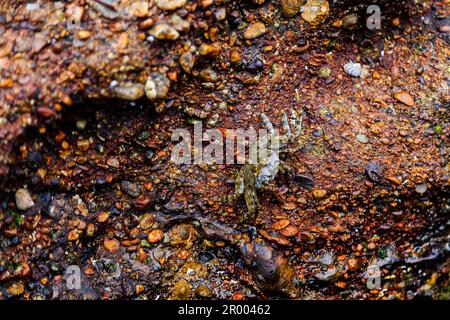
405,98
289,231
290,8
23,199
170,4
289,206
254,30
280,224
102,217
163,31
112,245
155,236
315,11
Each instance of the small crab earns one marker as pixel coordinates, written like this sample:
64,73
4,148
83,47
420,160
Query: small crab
256,176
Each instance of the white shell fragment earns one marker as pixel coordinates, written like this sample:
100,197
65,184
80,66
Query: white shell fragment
353,69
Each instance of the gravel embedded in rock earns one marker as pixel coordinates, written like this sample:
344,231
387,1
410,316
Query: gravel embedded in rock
170,4
187,61
129,91
315,11
290,8
163,31
157,86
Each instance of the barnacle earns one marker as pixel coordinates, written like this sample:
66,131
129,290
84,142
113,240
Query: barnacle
353,69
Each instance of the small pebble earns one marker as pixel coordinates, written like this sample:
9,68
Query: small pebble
23,199
362,138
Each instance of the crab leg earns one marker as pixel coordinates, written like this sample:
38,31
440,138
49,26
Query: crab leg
298,124
286,127
267,123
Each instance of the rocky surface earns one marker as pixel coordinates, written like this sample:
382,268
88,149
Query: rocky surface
91,92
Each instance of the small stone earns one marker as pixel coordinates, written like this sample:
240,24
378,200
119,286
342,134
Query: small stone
130,188
329,275
280,224
179,24
235,56
319,194
40,41
83,144
352,264
170,4
102,217
111,245
315,11
290,8
350,21
139,289
203,292
255,30
362,138
394,180
187,61
113,162
421,188
208,75
405,98
73,235
147,221
155,236
206,3
140,9
289,231
129,91
444,28
84,34
395,22
289,206
23,199
376,75
157,86
107,11
15,289
220,14
163,31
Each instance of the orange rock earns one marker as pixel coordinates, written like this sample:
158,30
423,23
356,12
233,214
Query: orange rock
394,180
112,245
404,97
280,224
155,236
289,231
352,264
289,206
102,217
255,30
73,235
89,271
139,288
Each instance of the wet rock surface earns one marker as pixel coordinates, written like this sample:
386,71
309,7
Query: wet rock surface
87,185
